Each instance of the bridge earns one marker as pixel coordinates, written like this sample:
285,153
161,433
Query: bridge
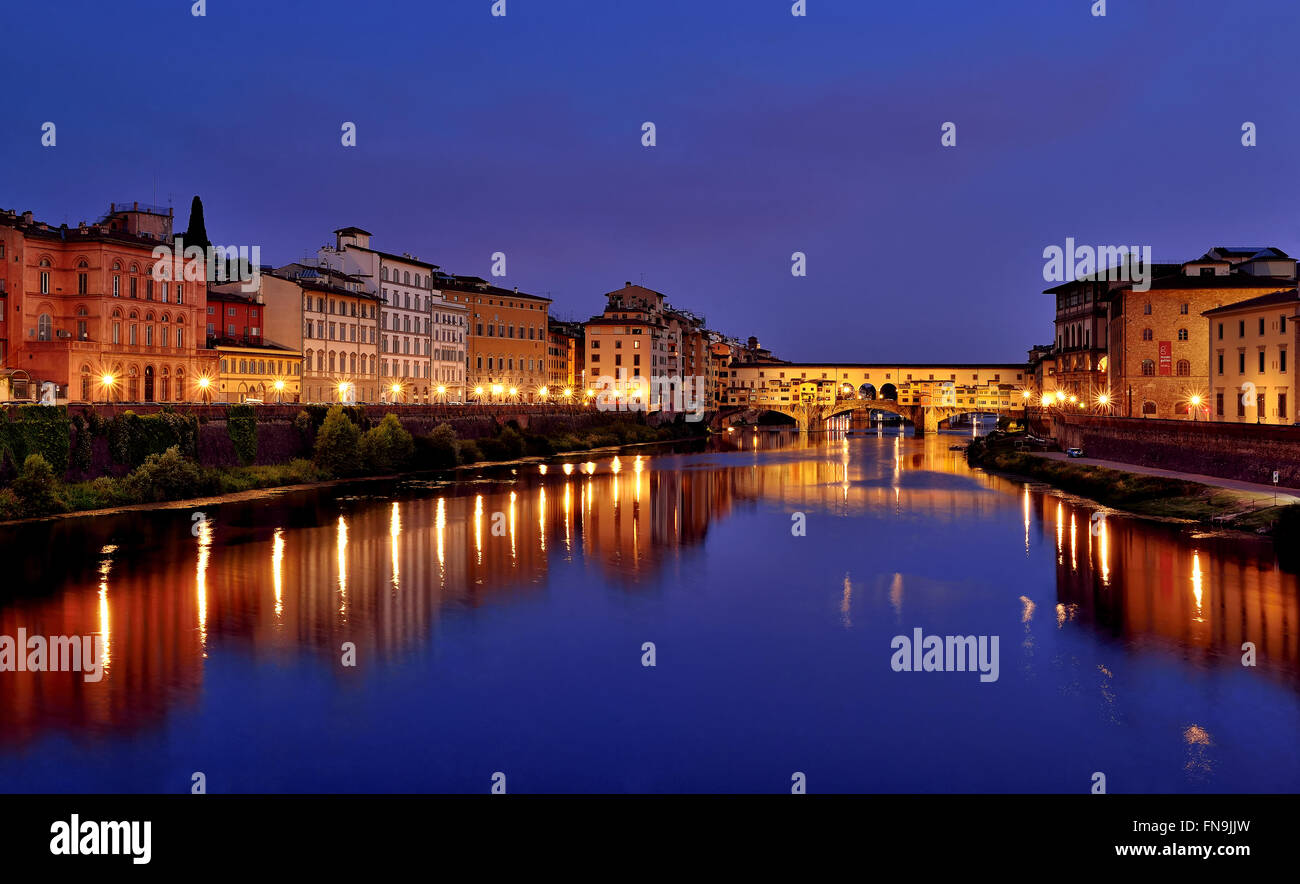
811,411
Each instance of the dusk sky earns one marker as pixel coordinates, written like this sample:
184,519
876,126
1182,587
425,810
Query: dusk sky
776,134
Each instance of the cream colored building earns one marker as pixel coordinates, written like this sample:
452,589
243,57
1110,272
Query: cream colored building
1253,346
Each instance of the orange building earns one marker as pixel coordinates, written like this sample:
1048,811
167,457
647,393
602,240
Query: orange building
508,339
91,315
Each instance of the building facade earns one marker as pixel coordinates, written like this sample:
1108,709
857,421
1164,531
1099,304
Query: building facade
250,366
91,315
340,328
1159,340
507,339
421,335
1252,352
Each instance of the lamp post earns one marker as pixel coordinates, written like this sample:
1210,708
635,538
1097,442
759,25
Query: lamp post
279,391
107,382
205,393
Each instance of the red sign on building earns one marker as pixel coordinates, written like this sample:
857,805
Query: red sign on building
1166,358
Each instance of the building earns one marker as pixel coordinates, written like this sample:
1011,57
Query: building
721,350
564,354
422,335
508,338
1158,341
340,328
1079,356
250,365
1252,348
634,344
89,314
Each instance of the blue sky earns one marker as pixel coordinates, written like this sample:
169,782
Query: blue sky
776,134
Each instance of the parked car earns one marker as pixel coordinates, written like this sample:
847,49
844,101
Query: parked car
1074,452
251,401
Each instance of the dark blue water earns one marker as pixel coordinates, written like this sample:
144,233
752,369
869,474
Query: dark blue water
520,652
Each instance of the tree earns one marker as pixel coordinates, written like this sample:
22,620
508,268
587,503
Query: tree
337,443
197,235
387,447
35,486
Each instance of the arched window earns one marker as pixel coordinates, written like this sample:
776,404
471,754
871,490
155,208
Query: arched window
1148,407
44,327
1148,367
133,383
1146,334
1182,334
180,384
1183,369
85,383
331,360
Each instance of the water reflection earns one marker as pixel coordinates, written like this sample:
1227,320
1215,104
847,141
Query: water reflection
381,568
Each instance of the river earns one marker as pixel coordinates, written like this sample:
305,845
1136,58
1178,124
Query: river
502,623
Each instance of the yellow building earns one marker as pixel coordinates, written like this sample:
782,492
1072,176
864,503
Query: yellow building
267,373
1252,360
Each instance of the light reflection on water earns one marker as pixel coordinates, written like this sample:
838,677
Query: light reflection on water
498,624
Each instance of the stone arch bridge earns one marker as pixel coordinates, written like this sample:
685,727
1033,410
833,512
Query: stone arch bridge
925,418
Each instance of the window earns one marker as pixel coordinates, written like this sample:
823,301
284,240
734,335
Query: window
1183,368
1281,406
1146,308
1220,331
1148,407
1146,334
1261,325
1241,362
44,327
1148,367
1182,334
45,282
1241,405
1281,359
1241,328
1182,308
1220,363
1218,404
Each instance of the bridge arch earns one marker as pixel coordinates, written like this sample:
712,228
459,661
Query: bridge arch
867,392
889,391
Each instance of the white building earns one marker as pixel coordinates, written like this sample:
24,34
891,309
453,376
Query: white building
421,335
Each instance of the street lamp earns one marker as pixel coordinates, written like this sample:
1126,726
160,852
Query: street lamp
279,390
394,391
107,381
204,393
1195,402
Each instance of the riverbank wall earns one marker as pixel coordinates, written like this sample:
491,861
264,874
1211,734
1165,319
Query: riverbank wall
85,441
1247,452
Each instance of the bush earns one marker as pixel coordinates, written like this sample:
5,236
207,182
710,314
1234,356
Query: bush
387,447
337,443
241,425
10,506
167,476
36,429
36,485
437,450
133,437
512,443
467,451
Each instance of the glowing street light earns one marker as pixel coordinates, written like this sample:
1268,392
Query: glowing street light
205,384
107,382
543,392
279,390
395,391
568,392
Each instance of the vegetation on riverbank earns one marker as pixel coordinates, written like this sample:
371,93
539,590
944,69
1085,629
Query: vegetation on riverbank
340,450
1143,495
